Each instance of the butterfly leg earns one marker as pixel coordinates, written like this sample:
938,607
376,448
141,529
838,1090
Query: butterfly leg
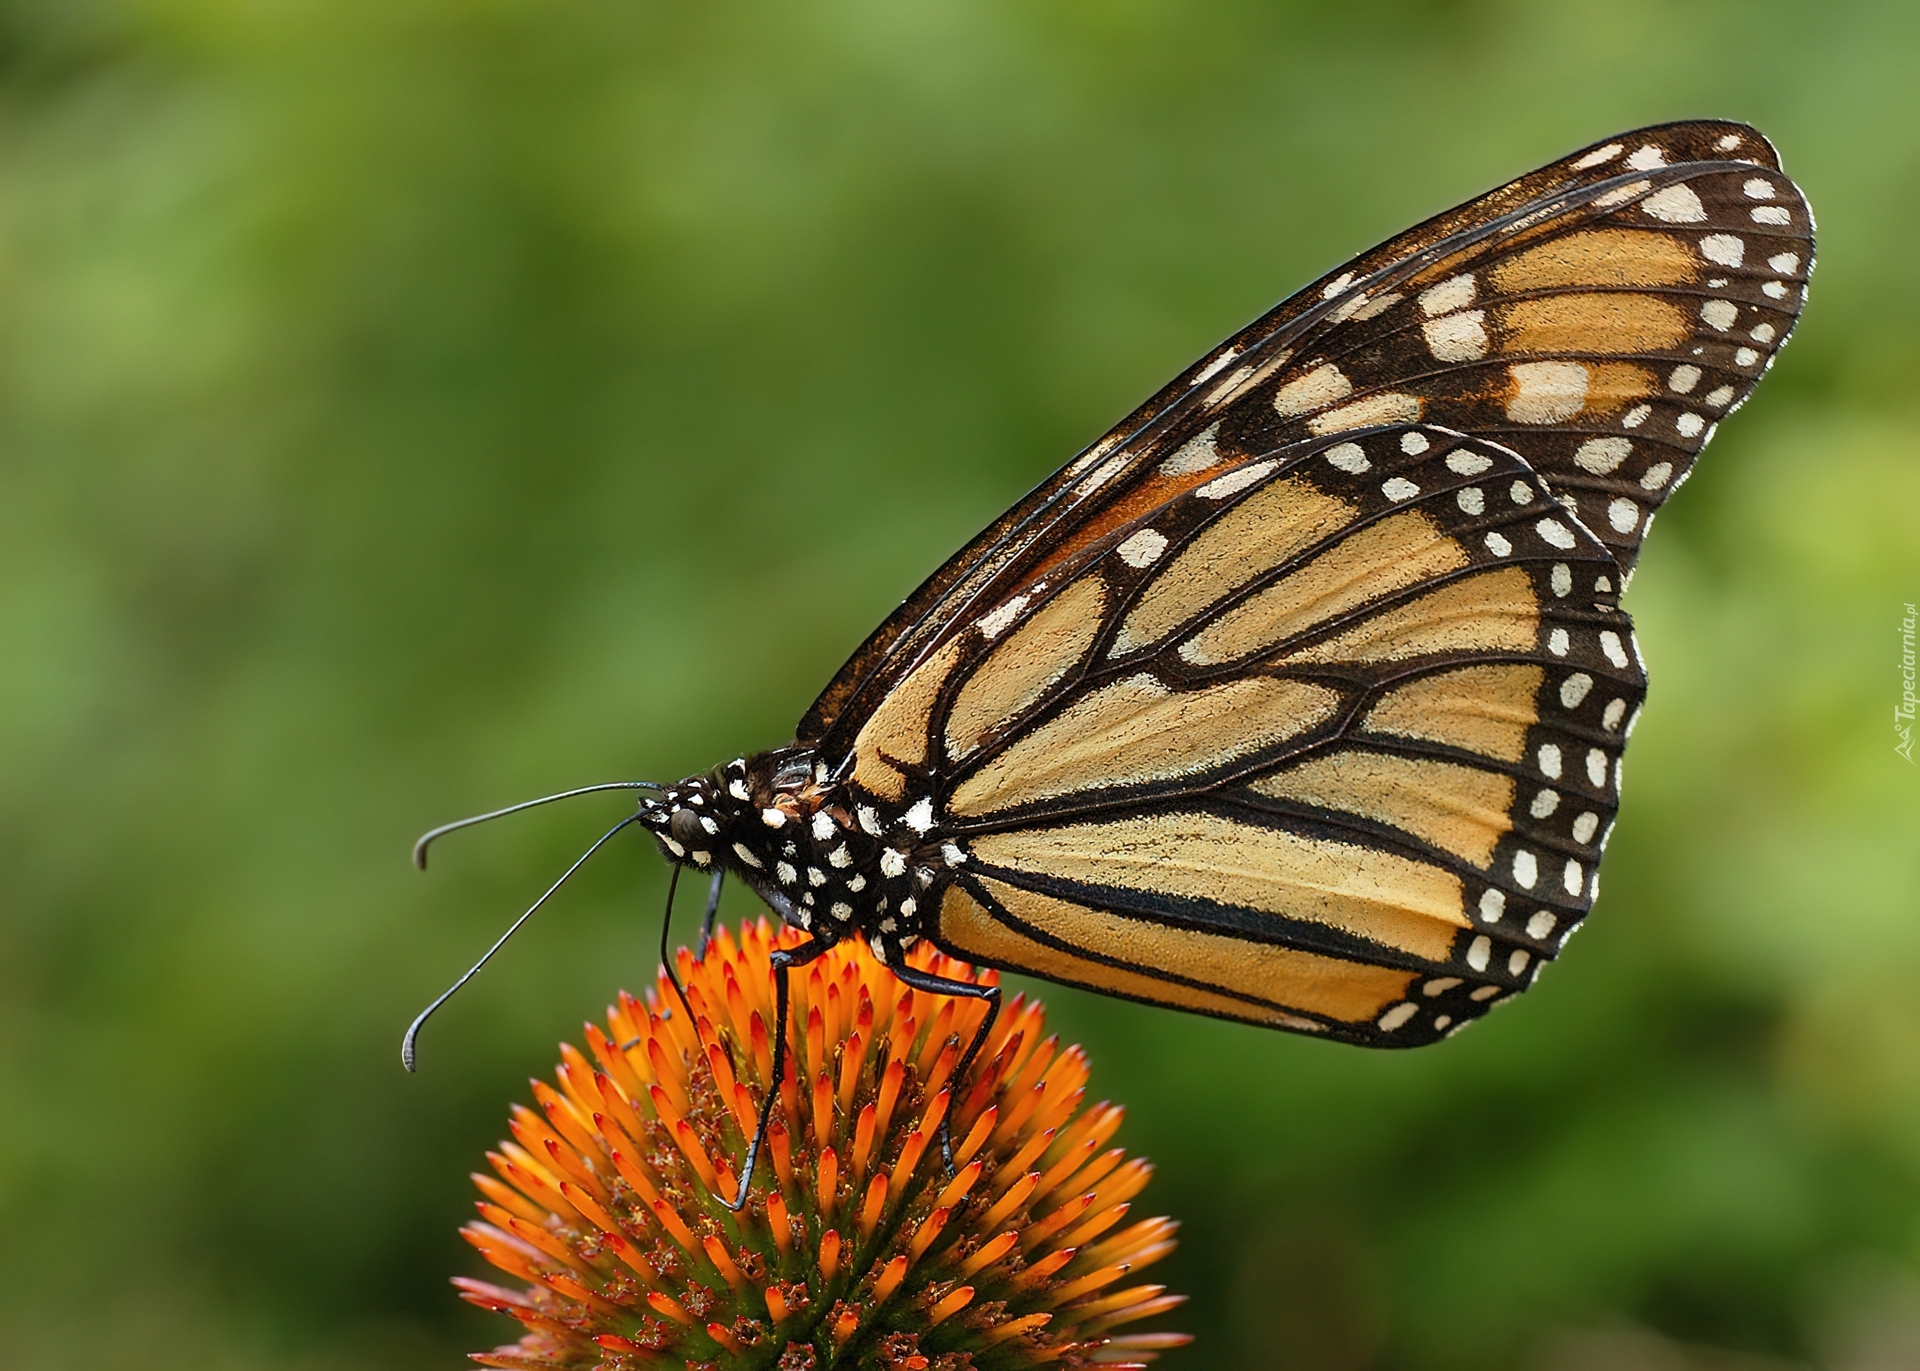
666,929
784,960
942,985
713,912
706,929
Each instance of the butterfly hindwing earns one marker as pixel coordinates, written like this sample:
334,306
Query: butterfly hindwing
1351,712
1598,316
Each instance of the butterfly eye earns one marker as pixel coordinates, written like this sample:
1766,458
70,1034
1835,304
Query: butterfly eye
686,830
793,775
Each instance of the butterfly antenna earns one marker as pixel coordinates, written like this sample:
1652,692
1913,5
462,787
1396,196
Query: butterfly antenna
413,1029
420,848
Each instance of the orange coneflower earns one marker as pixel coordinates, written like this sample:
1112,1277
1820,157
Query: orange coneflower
857,1247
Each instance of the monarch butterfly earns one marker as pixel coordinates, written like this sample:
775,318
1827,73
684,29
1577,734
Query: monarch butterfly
1299,697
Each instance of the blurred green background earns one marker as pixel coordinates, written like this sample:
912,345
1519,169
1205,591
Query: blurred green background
411,406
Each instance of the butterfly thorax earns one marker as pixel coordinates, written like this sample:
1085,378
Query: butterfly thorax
825,863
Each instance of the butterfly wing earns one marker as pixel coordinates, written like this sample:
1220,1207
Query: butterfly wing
1598,316
1299,698
1329,741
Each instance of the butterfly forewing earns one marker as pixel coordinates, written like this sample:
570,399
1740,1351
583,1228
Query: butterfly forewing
1598,316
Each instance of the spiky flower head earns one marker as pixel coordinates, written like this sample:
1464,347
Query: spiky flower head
858,1246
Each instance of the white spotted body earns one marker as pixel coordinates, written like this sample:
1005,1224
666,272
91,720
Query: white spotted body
824,863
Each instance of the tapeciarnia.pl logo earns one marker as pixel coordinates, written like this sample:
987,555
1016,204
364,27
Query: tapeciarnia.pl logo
1903,712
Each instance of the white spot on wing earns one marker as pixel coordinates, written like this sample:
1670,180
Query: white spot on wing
1555,533
920,815
1776,215
1546,392
1197,454
1323,386
1574,689
1456,292
1647,158
1684,378
1598,156
1349,457
1464,463
1602,455
1723,248
1220,487
1143,548
1675,205
1457,337
1757,189
1720,314
1399,488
